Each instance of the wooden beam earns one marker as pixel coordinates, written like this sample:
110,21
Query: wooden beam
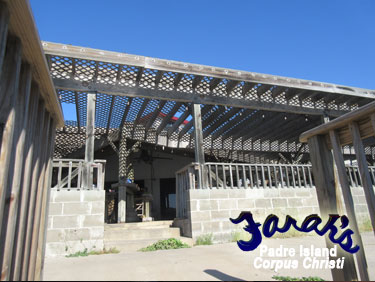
168,117
322,167
364,171
200,70
158,77
186,128
177,79
237,119
349,203
124,116
196,80
219,121
181,96
178,122
77,111
231,84
139,115
113,99
214,82
154,116
339,122
247,87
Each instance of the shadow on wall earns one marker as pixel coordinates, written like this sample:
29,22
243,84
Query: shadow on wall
221,276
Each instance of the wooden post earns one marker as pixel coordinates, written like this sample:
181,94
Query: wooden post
33,185
4,22
349,204
322,164
363,170
45,206
199,149
90,141
24,204
39,199
9,82
123,174
12,201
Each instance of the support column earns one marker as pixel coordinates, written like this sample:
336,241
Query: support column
322,167
199,150
123,174
90,141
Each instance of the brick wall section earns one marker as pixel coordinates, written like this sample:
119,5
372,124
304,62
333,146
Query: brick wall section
211,209
75,222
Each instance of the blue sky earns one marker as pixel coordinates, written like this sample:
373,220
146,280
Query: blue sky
330,41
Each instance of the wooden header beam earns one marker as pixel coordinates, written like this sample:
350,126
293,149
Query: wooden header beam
200,70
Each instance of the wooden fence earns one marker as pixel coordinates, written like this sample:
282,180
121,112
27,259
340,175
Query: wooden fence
325,143
29,114
69,173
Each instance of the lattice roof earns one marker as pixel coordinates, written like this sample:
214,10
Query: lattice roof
241,111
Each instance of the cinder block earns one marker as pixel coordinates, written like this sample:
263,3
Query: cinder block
246,204
220,215
237,194
63,196
254,193
229,204
279,203
263,203
310,202
220,194
361,208
303,192
66,221
200,216
55,235
82,208
214,205
93,195
294,202
199,194
93,220
96,232
204,205
357,191
197,227
55,249
287,192
194,205
55,209
77,234
97,207
271,192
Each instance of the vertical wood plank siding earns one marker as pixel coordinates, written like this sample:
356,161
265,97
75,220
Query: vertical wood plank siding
29,116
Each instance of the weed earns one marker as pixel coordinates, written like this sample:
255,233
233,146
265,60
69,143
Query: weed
204,240
168,244
288,278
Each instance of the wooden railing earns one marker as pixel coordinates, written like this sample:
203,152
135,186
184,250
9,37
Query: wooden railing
235,175
325,144
69,174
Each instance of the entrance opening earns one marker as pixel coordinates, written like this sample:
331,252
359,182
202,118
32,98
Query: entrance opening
168,198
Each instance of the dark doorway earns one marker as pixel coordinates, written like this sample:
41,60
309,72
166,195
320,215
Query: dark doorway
168,198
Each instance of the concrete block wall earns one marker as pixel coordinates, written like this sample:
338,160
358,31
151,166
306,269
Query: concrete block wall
211,209
75,222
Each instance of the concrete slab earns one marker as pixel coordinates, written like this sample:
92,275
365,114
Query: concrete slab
225,262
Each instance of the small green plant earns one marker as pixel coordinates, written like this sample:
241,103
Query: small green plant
288,278
86,253
169,244
205,239
83,253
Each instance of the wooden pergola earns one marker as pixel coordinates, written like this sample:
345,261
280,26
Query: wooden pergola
242,114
